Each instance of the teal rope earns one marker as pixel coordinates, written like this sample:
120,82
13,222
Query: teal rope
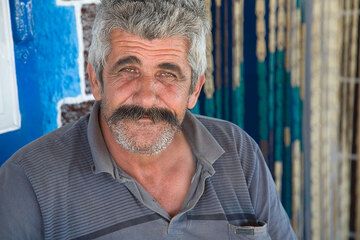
218,103
238,101
279,99
287,158
209,105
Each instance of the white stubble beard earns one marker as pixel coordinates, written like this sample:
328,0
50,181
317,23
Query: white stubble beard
124,136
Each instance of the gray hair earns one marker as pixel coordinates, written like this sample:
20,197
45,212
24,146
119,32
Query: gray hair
151,19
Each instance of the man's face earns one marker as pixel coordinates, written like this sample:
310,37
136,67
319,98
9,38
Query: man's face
145,91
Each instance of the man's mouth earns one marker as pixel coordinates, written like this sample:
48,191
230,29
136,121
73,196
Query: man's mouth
145,119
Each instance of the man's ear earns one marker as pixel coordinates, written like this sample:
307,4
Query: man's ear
196,92
94,82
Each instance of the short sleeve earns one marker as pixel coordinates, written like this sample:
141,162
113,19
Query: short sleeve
266,202
20,216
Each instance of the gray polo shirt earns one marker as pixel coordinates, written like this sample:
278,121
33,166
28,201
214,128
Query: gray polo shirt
65,185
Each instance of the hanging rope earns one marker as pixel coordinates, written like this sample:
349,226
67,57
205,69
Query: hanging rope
209,87
238,57
261,53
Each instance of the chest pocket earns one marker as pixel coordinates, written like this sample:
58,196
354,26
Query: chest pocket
249,232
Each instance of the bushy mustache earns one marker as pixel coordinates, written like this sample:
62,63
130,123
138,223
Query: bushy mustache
134,112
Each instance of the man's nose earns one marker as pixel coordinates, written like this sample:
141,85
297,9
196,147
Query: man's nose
146,92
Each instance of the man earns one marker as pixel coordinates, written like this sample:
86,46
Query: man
141,166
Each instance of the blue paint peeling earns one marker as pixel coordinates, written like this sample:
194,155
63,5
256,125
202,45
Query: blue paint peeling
22,20
46,68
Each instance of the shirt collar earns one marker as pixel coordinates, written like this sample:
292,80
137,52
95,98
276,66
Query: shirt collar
204,146
103,162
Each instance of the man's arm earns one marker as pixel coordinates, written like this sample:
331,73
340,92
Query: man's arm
266,202
20,216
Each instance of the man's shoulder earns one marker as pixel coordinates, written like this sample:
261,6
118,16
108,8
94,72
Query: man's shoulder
59,142
216,123
226,131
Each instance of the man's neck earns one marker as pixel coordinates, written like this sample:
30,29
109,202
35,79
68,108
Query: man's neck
165,176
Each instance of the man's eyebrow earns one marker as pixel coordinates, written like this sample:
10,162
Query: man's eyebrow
172,67
125,61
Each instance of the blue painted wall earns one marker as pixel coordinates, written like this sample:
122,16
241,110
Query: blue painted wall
46,68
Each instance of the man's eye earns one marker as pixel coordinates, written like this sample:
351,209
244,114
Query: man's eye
128,70
167,75
128,73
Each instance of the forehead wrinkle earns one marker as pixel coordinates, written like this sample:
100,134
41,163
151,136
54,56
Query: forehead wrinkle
157,50
123,37
174,43
181,48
